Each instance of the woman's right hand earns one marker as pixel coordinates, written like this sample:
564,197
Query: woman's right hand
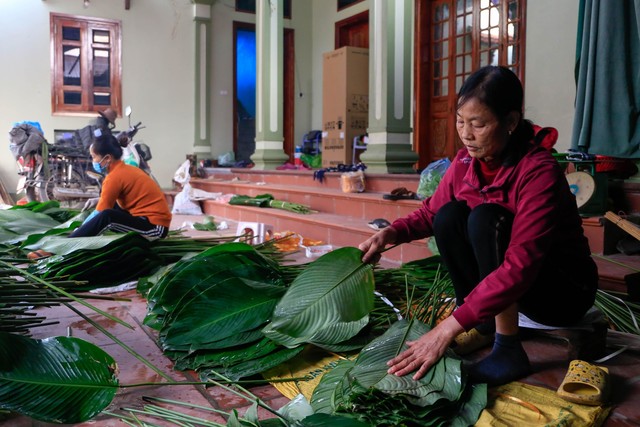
376,243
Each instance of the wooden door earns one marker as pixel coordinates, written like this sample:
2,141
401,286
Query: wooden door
353,31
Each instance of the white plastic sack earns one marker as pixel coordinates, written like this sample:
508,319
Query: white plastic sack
182,174
196,194
182,204
130,156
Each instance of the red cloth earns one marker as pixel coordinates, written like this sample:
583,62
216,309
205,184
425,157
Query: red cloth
546,224
545,137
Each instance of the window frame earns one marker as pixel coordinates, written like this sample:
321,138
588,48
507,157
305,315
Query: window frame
434,131
86,88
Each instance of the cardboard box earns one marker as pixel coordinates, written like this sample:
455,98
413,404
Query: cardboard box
345,102
335,149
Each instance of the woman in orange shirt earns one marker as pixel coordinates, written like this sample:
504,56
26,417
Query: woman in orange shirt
130,199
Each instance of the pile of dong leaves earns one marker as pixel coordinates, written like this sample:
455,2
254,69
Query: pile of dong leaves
230,312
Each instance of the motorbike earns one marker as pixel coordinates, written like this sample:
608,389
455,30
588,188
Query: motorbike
63,171
134,152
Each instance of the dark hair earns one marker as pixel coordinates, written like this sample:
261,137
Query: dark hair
106,144
501,91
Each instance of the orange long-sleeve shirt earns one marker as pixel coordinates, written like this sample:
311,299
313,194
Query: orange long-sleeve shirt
135,192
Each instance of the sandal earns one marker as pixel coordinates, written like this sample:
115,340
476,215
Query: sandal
585,384
39,254
400,193
468,342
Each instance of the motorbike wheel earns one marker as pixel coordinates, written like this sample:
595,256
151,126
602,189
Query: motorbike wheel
37,192
75,191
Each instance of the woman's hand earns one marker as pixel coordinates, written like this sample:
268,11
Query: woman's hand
424,352
376,243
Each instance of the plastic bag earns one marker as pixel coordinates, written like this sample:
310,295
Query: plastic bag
130,157
431,176
226,159
182,173
352,182
182,204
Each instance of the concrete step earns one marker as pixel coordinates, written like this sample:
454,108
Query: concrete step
341,218
332,229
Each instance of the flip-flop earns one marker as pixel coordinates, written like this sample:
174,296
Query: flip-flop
400,193
379,223
38,254
585,384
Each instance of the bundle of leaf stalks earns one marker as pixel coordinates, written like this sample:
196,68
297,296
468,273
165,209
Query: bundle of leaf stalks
268,201
419,289
20,294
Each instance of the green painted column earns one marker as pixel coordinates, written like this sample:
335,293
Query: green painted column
269,152
389,149
202,123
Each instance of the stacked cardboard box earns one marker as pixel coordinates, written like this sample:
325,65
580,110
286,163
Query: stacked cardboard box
345,102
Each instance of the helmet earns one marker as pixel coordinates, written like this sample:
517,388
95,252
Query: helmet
110,115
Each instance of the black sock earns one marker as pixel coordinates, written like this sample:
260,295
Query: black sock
507,362
487,328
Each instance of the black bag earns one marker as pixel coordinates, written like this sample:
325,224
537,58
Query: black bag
144,151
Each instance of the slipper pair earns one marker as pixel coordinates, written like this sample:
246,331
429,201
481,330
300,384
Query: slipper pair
400,193
585,384
39,254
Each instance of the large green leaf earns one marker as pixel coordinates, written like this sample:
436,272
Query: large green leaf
57,380
329,302
443,380
253,366
224,357
323,397
325,420
63,245
189,277
224,310
65,228
24,222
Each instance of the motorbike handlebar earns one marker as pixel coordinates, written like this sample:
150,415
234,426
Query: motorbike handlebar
134,129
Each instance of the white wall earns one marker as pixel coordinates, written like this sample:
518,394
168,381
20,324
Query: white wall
223,17
550,58
158,69
157,80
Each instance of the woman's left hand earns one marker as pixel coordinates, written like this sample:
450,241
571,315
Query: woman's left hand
424,352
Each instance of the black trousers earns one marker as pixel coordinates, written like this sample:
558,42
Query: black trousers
119,221
473,243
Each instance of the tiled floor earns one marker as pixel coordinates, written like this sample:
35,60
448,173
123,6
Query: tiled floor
548,356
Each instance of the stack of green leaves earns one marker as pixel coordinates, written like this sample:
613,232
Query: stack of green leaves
234,312
101,261
109,260
50,208
210,309
364,390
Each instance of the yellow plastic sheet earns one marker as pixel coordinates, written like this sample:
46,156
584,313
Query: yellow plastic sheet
519,404
514,404
311,364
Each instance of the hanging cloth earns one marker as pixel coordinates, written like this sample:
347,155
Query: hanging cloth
607,109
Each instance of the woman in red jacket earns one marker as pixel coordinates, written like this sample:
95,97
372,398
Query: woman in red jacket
508,230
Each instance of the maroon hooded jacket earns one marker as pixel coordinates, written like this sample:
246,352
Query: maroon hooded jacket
546,224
